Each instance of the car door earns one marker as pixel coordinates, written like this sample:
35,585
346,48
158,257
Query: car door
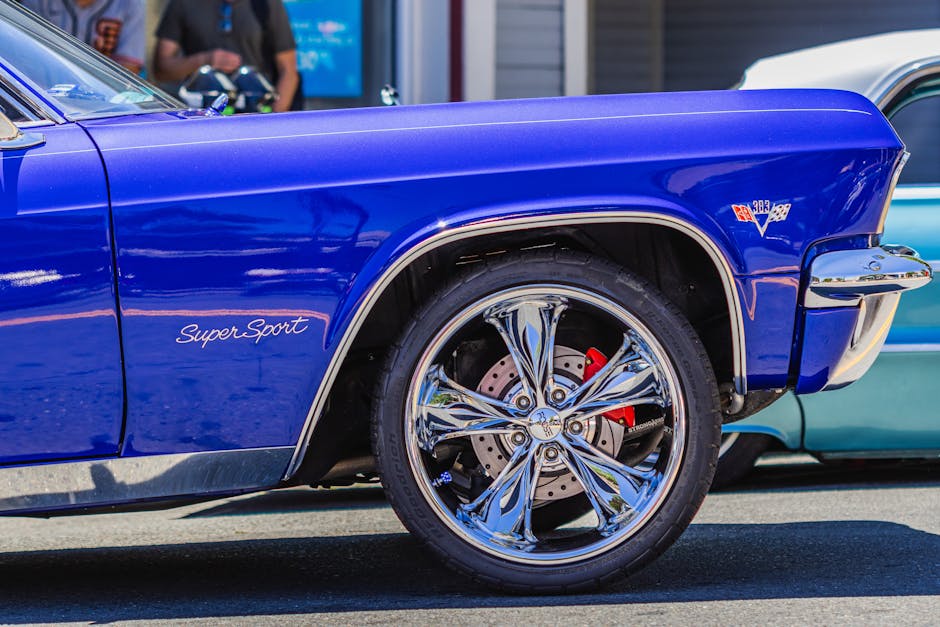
893,409
61,383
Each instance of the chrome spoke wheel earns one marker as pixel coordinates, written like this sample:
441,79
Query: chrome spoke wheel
514,407
547,422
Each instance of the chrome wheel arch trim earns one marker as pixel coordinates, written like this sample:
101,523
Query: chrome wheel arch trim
449,235
45,487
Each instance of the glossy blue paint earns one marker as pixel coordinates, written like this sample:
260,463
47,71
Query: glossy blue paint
769,327
222,221
827,335
61,388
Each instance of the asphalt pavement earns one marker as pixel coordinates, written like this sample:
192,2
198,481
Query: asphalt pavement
794,544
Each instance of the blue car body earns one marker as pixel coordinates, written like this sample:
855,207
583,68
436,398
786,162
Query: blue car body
194,306
215,223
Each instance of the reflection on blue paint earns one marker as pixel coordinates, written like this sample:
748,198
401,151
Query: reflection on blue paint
329,46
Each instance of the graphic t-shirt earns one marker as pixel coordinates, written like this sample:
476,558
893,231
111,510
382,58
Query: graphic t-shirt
198,27
115,28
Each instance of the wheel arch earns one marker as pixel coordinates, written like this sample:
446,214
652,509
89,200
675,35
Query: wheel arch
473,242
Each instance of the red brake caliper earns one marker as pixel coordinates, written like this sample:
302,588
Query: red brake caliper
594,360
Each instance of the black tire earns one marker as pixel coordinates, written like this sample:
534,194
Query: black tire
677,501
736,458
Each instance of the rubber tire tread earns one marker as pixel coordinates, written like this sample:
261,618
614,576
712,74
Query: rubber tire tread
739,460
690,361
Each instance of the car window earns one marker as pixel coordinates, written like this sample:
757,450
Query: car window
917,122
80,82
14,108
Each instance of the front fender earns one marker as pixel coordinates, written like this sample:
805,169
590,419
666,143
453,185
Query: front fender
412,243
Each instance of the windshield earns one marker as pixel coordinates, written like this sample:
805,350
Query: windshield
72,76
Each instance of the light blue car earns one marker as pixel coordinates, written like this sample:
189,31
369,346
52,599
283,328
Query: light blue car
891,412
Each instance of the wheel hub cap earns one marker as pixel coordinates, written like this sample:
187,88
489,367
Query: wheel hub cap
545,424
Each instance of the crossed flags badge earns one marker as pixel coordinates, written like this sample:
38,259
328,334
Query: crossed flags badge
775,213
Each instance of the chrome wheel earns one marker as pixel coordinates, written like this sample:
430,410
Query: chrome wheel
728,441
514,406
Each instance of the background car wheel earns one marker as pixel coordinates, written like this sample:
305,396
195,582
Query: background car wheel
737,455
547,423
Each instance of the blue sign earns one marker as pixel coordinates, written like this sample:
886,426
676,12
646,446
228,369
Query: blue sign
329,46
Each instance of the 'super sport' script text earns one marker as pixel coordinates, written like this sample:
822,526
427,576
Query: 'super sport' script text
254,331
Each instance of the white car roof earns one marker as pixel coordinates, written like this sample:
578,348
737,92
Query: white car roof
871,66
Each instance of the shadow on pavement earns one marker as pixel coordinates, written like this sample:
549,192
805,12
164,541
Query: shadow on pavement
296,500
778,478
391,572
847,475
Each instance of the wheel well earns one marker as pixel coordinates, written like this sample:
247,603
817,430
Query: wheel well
668,258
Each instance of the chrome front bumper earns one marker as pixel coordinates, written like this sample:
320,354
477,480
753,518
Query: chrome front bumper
869,281
846,277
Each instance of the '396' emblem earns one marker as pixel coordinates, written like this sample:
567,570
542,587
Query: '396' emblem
761,213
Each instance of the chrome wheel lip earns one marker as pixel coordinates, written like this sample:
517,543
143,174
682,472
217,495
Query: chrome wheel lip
507,551
727,441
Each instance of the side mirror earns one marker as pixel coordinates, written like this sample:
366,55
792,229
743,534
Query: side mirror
11,138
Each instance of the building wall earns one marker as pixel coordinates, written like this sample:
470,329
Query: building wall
651,45
529,48
709,44
626,46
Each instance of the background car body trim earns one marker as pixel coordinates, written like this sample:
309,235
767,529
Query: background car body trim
516,224
75,484
910,348
915,192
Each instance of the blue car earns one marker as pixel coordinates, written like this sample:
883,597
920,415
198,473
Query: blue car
891,413
529,318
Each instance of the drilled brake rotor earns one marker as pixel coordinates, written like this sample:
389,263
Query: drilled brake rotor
556,481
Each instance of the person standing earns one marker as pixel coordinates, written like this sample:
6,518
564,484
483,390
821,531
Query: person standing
115,28
227,34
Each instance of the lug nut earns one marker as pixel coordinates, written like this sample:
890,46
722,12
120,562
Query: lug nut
576,427
558,395
523,402
518,438
551,453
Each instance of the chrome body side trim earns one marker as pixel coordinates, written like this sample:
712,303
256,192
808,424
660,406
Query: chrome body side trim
916,192
843,278
77,484
35,124
911,348
518,224
900,454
